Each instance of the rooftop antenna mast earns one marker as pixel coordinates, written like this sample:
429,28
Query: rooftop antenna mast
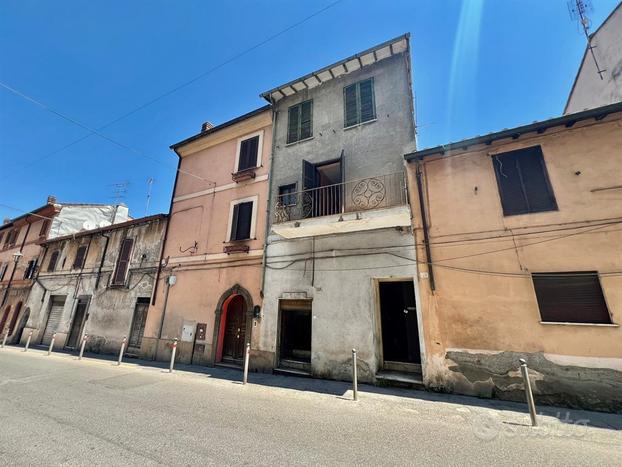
119,191
149,186
579,10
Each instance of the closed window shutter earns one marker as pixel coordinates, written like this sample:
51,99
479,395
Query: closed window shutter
245,213
44,228
53,261
534,176
306,128
350,105
78,261
510,187
523,182
123,262
366,97
234,222
248,153
1,235
309,175
573,297
293,123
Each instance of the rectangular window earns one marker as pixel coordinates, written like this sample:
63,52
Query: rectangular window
359,103
1,235
300,122
44,228
3,268
78,261
287,196
123,262
249,149
523,182
30,269
53,261
571,297
241,221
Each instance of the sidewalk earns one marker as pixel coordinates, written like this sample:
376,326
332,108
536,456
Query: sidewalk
490,411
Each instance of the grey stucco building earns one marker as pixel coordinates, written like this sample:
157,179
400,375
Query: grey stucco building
96,282
340,263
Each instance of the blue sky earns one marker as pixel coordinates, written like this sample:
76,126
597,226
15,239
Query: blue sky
478,66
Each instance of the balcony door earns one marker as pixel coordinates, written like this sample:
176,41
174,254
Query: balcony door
322,183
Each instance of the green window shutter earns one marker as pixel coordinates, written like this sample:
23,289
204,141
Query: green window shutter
234,222
293,123
366,98
306,120
350,105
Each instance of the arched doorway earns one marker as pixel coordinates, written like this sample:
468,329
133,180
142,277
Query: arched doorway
7,310
232,326
234,332
20,327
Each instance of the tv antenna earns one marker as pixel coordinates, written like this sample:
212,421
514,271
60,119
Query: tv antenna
579,10
119,191
149,186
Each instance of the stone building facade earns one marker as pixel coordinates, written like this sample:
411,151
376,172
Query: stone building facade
96,283
340,263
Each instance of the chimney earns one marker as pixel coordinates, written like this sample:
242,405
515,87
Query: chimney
207,126
51,199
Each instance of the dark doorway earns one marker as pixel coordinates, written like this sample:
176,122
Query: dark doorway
235,330
13,322
17,338
323,184
138,322
79,318
295,336
398,318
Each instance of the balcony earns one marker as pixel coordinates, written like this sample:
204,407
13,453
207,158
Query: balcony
364,204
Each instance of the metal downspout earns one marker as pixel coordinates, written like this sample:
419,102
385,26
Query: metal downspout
101,263
424,225
265,241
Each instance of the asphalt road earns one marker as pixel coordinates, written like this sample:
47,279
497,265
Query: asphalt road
60,411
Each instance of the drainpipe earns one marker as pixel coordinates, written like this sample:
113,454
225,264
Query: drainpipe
424,225
168,222
21,248
101,263
265,240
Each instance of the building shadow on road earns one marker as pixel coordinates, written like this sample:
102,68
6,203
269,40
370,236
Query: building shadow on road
343,390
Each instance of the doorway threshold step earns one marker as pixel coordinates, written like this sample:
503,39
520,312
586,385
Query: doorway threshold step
400,379
291,372
230,365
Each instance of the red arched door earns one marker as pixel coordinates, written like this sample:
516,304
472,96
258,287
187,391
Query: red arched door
7,310
235,329
18,308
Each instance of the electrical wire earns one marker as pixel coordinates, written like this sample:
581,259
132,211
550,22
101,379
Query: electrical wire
176,88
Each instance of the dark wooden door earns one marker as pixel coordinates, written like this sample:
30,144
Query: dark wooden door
77,323
235,329
138,322
398,316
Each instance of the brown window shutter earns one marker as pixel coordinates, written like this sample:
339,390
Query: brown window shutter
53,261
571,297
123,262
78,261
44,228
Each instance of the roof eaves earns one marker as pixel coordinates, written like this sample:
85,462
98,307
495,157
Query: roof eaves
221,126
568,120
314,74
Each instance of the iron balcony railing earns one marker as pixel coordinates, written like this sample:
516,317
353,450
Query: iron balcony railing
383,191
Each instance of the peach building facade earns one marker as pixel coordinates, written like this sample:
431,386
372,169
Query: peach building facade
519,257
208,287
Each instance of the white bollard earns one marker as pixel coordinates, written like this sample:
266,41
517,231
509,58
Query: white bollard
122,350
170,368
82,346
6,334
528,394
28,341
51,344
355,383
247,356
